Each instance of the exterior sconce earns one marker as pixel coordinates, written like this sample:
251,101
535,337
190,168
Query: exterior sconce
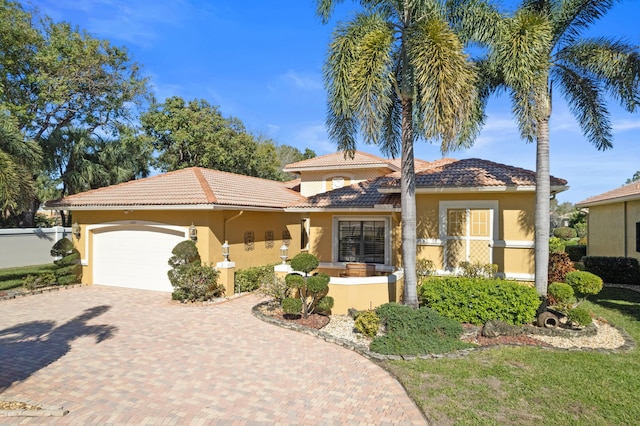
284,253
75,230
193,232
225,251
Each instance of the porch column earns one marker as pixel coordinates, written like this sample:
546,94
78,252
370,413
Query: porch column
227,270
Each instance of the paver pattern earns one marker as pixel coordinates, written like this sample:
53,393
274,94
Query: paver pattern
121,356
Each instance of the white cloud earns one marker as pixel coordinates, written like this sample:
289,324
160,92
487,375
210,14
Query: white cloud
301,80
624,125
315,137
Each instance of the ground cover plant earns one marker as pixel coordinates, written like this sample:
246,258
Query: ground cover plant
533,386
11,278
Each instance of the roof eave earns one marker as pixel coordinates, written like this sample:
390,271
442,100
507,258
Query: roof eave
164,207
340,167
456,190
633,197
375,209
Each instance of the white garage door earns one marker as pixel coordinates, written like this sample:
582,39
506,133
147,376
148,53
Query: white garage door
134,256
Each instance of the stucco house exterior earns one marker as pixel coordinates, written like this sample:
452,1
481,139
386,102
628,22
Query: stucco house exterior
613,227
346,211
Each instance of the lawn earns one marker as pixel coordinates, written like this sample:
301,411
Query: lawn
12,277
534,386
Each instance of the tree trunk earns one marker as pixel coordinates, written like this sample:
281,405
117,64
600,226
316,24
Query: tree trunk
408,206
543,194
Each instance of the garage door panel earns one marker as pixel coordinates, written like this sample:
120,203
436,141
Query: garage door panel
134,257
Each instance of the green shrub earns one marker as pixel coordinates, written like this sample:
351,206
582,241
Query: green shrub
412,331
425,268
618,270
560,292
69,270
310,290
195,283
184,253
556,245
559,266
565,232
368,323
292,305
274,287
579,316
579,266
33,282
478,269
584,283
62,248
576,252
250,279
477,301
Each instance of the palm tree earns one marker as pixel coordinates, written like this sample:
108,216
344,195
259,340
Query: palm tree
395,73
538,48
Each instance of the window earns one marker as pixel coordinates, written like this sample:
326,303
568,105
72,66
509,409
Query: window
361,241
337,182
304,234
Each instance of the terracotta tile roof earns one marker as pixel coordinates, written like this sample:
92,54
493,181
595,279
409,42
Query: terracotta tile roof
627,192
293,184
337,161
469,173
359,195
191,186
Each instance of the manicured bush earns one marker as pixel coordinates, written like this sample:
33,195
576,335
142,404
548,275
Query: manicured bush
69,270
477,301
412,331
478,269
618,270
367,323
311,291
34,282
250,279
560,293
274,287
559,266
576,252
196,283
565,233
556,245
584,283
579,316
292,306
184,253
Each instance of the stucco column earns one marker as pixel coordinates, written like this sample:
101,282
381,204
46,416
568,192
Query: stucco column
226,278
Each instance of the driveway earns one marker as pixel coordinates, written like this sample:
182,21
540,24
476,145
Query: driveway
122,356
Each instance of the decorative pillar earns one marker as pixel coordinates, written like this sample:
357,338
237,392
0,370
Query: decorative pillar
227,271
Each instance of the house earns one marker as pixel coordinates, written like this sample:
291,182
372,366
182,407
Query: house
613,223
344,210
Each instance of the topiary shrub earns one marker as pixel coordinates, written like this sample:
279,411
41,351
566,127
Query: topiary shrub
34,282
559,266
412,331
556,245
576,252
367,323
192,281
618,270
579,316
310,290
584,283
477,301
478,269
565,233
560,293
69,269
250,279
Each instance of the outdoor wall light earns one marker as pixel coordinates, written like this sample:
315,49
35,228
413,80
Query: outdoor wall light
225,251
193,232
284,253
75,230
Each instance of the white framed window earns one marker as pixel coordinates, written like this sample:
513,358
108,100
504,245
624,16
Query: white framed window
363,239
337,182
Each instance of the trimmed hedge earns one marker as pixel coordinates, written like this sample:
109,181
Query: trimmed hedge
477,301
576,252
565,232
615,270
250,279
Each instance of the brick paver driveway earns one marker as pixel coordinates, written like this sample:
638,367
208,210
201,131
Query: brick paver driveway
121,356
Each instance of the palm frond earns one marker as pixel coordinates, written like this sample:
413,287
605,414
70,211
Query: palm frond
445,81
613,63
571,17
475,21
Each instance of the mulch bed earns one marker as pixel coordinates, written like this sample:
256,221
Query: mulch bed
315,321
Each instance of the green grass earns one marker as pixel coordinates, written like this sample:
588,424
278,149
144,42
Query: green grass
534,386
12,277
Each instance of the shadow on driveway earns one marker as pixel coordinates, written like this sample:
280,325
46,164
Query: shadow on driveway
28,347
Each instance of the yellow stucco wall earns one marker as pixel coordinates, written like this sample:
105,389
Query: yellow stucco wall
316,182
607,231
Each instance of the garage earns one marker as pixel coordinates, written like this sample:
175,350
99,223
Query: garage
134,256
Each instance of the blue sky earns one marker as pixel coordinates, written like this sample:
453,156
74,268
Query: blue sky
261,61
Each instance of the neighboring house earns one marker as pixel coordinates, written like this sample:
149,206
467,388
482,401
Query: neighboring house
613,223
346,211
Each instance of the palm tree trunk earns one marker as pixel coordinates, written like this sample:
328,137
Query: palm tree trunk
408,206
543,194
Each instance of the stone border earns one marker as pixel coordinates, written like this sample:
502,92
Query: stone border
629,343
43,411
15,294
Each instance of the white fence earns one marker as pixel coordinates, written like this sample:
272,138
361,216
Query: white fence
29,246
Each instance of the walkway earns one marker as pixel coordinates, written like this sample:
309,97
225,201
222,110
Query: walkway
121,356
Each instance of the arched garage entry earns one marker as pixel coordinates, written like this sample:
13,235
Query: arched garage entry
134,255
